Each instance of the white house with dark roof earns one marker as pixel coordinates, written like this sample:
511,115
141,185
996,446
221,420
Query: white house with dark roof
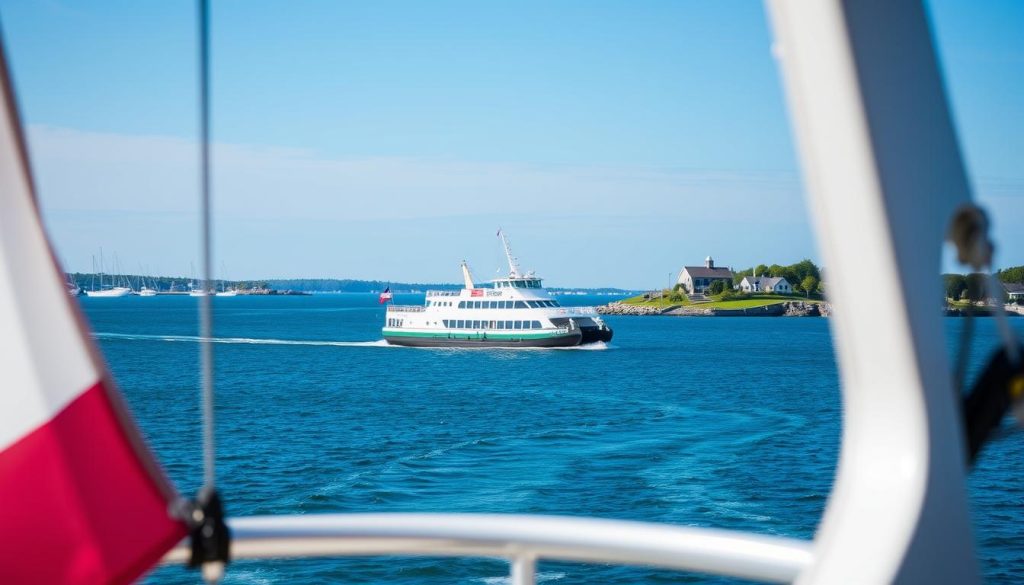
767,284
1014,292
697,279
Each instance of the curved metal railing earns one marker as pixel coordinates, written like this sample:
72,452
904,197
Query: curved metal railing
405,308
521,539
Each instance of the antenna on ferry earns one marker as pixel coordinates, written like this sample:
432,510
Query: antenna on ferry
513,264
467,277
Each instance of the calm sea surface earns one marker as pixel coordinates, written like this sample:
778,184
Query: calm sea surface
722,422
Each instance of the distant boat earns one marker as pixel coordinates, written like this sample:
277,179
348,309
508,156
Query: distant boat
145,291
228,293
73,288
117,291
107,290
194,287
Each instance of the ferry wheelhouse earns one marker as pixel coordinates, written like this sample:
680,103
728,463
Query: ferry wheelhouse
510,312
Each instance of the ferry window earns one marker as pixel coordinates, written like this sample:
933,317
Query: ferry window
476,304
501,325
520,305
517,324
536,324
462,304
458,323
508,324
491,325
476,324
492,304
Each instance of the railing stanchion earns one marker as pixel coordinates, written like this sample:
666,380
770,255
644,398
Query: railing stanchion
524,570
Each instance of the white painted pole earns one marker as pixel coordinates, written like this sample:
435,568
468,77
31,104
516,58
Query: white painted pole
883,174
524,570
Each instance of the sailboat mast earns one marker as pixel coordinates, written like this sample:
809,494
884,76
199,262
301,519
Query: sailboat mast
513,264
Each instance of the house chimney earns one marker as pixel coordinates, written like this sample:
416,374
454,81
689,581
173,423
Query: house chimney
709,263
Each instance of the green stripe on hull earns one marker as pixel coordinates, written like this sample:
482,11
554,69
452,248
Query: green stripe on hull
490,339
490,335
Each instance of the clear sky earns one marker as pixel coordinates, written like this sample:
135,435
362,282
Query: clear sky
613,141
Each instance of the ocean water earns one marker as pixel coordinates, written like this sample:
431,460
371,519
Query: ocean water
721,422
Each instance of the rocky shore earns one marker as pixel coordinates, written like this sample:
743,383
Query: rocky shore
785,309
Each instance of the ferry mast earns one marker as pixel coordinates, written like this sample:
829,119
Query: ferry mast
513,263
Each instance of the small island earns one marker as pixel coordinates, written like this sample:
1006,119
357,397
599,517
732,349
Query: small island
714,291
798,290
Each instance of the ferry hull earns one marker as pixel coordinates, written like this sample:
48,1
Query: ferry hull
473,340
595,334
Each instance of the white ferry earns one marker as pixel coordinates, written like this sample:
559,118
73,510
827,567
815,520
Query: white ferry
512,312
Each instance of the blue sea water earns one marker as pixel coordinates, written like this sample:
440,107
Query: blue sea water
722,422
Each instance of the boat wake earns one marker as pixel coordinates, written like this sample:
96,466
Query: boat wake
239,340
596,346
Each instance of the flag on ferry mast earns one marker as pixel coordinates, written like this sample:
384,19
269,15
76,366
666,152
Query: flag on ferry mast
82,500
385,296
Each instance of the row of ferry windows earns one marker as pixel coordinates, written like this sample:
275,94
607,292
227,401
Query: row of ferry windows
474,324
517,284
498,304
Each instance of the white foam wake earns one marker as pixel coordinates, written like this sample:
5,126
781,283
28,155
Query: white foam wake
240,340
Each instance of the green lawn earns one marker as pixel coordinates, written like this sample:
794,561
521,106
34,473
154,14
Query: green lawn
660,302
744,302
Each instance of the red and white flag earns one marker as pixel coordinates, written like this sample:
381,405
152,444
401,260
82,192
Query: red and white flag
385,296
82,500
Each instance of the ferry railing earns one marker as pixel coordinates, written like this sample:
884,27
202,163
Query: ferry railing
405,308
577,311
443,293
523,540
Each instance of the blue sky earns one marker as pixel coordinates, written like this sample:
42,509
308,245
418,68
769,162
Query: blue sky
613,141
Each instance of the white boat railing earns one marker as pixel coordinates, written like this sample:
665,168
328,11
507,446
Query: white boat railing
521,539
577,311
405,308
443,293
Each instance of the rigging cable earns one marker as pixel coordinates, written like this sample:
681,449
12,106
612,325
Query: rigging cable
209,534
1000,386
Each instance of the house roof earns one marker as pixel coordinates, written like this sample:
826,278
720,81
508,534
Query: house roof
703,272
1014,287
765,281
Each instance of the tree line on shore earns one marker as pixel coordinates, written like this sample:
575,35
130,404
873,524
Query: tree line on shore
971,287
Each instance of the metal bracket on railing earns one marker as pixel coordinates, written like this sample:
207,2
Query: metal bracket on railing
209,535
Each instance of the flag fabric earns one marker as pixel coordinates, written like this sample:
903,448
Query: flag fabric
82,500
385,296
